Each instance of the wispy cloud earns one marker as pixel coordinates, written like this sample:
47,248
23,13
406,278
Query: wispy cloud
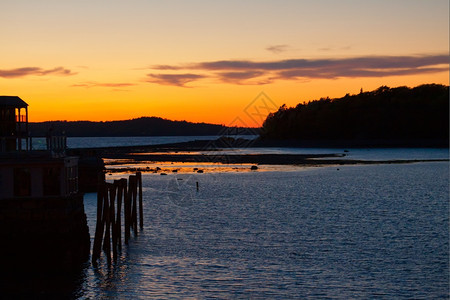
30,71
262,72
277,49
91,84
369,62
333,48
179,80
375,66
167,67
352,73
244,77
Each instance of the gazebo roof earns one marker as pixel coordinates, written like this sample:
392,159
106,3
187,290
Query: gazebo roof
12,101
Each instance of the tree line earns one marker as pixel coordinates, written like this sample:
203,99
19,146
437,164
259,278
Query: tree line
144,126
421,112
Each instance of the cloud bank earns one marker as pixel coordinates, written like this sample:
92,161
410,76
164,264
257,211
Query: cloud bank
173,79
91,84
34,71
257,72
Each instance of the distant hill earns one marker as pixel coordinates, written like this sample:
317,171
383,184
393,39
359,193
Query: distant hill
385,113
145,126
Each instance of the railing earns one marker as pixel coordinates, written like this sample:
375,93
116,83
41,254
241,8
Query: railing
57,145
15,143
21,119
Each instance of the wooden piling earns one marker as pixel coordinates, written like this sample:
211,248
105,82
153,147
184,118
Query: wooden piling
133,181
127,212
141,210
108,226
112,216
99,225
120,194
106,217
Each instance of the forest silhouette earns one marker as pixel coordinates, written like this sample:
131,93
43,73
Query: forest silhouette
144,126
385,113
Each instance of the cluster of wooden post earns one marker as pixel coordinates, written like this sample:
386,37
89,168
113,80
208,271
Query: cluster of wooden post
109,210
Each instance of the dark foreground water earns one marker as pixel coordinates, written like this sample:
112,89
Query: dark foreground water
357,232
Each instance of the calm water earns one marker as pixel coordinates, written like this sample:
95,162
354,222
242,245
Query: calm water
354,153
364,153
357,232
96,142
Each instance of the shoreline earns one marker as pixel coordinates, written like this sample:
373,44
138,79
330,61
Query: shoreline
263,159
230,142
210,151
176,168
162,163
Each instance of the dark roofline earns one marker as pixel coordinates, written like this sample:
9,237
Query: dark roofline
12,101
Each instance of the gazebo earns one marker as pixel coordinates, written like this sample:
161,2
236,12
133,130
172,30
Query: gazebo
29,173
13,124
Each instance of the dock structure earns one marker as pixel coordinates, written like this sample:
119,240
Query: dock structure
41,209
108,230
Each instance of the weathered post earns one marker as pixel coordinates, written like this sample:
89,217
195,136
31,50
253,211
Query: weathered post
112,217
99,225
141,209
106,215
127,212
133,180
108,226
121,188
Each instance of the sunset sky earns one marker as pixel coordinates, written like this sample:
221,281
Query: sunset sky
209,61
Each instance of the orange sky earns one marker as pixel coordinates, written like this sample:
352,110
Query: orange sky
204,61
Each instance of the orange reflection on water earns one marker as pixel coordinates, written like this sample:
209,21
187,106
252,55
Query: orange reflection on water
130,166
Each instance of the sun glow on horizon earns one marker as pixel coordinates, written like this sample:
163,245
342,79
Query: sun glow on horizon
76,60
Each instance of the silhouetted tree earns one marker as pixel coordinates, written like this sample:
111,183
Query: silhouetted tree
385,113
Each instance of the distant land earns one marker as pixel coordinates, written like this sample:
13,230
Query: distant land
397,117
144,126
405,114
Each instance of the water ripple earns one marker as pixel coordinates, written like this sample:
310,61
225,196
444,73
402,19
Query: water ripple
363,232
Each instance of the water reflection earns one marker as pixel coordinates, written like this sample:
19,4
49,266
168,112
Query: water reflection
107,280
168,168
361,232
